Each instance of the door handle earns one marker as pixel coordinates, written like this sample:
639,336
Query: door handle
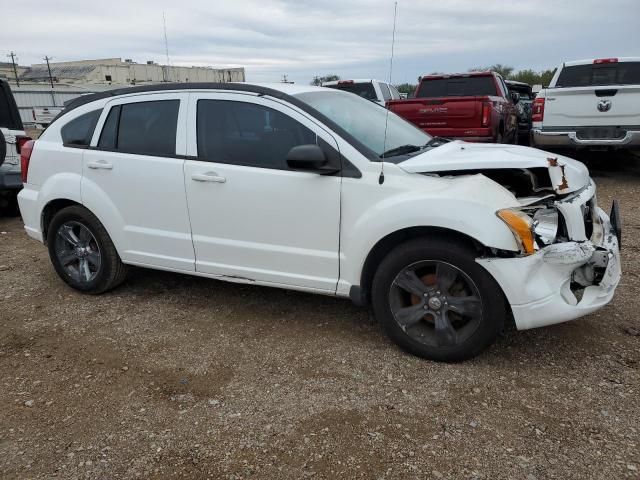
208,177
100,165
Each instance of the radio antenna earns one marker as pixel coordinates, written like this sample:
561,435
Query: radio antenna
386,119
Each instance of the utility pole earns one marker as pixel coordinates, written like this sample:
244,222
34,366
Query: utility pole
15,70
53,96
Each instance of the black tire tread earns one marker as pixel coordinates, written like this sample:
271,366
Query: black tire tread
456,252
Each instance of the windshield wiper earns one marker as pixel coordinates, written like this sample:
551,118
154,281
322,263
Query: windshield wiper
401,150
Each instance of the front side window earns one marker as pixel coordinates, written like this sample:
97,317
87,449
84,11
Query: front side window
146,128
78,132
247,134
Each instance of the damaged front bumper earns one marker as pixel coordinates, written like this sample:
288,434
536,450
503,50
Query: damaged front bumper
562,281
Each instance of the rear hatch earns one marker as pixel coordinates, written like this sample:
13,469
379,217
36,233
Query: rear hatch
595,95
452,102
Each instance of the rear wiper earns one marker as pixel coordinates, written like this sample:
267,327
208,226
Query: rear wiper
401,150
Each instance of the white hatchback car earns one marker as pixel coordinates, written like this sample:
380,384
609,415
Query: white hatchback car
299,187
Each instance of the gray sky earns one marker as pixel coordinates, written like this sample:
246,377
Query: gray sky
303,38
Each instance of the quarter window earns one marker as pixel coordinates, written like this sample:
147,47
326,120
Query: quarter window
146,128
247,134
78,132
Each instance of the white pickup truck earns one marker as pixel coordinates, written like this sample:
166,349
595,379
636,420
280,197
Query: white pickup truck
374,90
590,104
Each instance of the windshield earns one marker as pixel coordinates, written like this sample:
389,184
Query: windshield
365,121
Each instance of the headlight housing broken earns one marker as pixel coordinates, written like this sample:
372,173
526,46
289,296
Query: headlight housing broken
532,229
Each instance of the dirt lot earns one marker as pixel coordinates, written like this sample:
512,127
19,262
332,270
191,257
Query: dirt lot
172,375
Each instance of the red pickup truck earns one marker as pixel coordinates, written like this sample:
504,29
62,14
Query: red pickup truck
476,107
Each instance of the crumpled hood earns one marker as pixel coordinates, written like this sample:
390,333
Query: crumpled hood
567,175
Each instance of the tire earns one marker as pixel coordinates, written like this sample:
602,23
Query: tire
9,203
66,233
461,285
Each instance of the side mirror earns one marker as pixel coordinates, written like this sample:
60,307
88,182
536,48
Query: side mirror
515,97
310,158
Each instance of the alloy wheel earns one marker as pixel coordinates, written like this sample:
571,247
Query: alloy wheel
435,303
78,252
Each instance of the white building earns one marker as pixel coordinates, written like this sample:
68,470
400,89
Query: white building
114,71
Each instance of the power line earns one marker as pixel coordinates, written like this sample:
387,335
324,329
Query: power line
14,57
53,96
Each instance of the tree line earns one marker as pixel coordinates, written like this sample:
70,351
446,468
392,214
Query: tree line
530,76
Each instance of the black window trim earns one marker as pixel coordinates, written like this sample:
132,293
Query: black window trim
233,88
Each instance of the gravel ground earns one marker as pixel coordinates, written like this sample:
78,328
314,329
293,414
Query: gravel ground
177,376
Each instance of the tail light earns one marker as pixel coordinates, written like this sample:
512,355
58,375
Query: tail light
20,141
25,157
486,114
537,110
599,61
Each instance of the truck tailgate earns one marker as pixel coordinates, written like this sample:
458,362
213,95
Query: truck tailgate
449,112
614,106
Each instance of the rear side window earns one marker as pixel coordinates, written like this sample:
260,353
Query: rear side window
247,134
365,90
146,128
78,132
621,73
457,87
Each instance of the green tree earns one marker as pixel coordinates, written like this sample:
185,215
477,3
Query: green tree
407,88
504,70
317,81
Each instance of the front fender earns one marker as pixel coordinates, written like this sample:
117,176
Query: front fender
462,204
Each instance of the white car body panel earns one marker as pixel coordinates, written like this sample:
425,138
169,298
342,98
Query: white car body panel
310,232
468,156
264,224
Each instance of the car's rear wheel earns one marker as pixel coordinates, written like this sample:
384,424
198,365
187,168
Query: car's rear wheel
435,301
82,252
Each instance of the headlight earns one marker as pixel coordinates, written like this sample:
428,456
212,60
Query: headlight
545,225
521,225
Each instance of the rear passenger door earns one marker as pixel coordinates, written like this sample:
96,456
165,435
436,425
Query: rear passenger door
133,179
252,217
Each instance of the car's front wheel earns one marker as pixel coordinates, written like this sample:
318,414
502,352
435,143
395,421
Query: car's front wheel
82,252
435,301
